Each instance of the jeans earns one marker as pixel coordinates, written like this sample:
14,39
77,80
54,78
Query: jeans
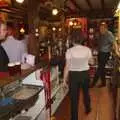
102,60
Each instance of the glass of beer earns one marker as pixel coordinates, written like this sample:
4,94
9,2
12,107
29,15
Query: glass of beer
18,68
11,69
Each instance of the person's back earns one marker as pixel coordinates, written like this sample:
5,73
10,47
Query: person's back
14,49
80,56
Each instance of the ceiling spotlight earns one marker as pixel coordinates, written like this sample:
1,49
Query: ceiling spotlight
20,1
54,29
60,29
22,30
70,23
54,11
75,23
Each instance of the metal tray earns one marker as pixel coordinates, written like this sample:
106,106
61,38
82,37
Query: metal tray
23,103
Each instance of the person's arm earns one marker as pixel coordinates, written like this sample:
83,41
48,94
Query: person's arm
66,68
65,77
111,37
90,59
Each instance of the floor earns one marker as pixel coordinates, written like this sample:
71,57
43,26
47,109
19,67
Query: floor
101,102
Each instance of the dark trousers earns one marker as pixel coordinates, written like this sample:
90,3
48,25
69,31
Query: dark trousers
77,80
102,60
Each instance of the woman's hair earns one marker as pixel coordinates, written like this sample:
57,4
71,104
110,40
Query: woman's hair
77,36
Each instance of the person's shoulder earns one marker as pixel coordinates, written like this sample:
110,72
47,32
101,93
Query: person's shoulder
85,47
109,32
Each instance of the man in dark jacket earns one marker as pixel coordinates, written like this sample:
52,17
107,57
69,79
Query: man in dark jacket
4,60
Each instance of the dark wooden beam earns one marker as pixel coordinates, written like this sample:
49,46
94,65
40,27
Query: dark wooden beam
89,4
103,4
12,14
9,10
94,14
12,3
100,14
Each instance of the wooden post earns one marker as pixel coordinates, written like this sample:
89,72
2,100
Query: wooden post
32,15
119,25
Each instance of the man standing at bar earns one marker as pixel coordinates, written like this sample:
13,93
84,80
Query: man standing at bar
13,47
104,48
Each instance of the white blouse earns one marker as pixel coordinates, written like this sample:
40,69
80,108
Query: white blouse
78,57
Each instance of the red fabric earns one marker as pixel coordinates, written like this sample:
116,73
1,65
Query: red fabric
45,76
4,74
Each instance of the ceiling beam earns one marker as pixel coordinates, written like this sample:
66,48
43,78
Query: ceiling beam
99,13
12,11
89,4
12,14
94,14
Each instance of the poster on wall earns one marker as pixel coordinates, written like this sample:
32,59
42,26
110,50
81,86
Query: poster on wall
5,3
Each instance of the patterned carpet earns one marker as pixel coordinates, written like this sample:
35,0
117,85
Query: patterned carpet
101,102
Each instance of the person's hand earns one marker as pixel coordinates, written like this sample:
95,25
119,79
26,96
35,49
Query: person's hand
65,85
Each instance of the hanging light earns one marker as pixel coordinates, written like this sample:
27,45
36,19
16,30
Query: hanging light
20,1
70,23
22,30
54,11
74,23
54,29
60,29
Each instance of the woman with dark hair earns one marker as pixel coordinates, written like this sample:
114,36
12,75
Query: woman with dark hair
77,60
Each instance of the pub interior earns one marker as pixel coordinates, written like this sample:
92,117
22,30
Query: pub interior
34,38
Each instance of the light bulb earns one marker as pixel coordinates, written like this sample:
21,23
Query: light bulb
71,23
54,11
20,1
54,29
22,30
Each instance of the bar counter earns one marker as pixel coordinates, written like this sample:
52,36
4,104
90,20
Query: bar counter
24,73
9,85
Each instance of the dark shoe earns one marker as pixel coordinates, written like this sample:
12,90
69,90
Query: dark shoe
88,110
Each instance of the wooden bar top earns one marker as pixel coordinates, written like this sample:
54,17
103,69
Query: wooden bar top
24,73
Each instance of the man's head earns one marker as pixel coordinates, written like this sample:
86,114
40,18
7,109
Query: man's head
3,30
103,28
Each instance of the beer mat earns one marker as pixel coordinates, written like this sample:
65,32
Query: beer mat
23,118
